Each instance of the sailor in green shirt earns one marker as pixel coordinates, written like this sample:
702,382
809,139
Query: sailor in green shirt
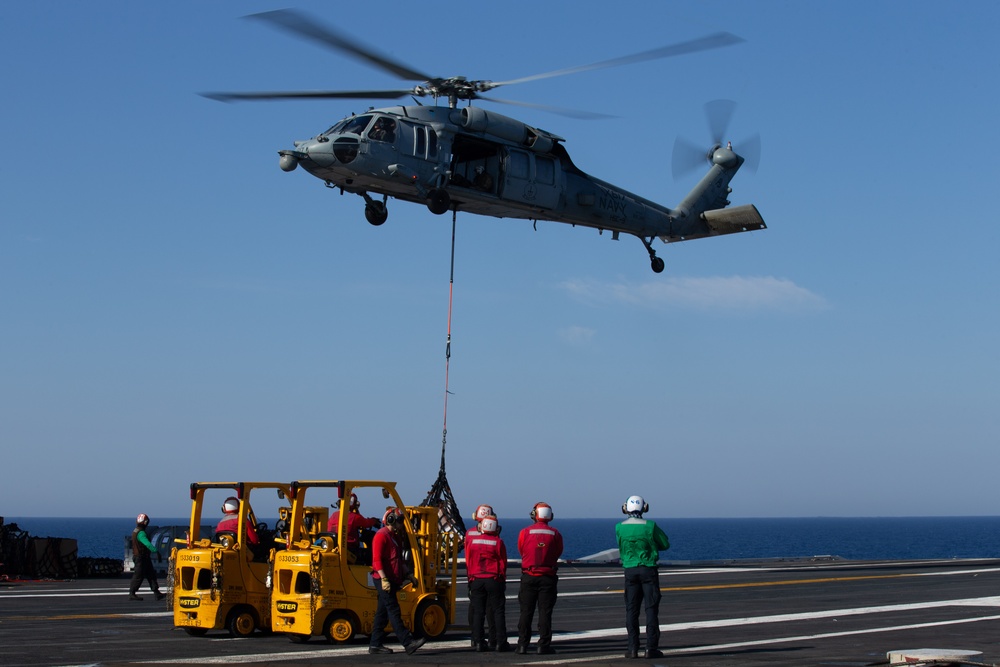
639,543
142,550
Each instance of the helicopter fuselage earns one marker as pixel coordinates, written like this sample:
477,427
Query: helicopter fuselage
481,162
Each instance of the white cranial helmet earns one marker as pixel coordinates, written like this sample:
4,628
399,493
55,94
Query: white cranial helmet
489,525
482,512
231,506
542,512
635,505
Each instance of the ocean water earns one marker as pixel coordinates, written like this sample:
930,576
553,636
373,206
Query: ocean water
690,539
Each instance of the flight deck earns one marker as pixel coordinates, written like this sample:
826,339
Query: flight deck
775,612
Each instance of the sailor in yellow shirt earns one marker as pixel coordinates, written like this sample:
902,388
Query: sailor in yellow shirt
640,542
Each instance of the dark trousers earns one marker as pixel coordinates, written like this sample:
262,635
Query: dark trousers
143,570
388,611
642,586
490,630
487,602
541,592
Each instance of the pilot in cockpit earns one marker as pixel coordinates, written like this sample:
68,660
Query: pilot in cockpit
383,130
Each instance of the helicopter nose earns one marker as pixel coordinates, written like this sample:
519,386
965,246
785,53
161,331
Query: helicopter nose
320,152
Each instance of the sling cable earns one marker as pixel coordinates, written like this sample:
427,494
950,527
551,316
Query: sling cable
440,496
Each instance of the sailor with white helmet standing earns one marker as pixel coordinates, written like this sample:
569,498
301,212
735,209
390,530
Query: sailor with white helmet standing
482,511
639,543
540,546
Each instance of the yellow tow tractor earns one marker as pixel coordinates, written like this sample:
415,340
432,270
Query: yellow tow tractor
221,580
323,587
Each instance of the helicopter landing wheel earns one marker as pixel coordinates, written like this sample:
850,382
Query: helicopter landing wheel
376,213
656,263
438,201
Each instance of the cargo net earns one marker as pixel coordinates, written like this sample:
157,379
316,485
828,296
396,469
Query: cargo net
13,550
449,518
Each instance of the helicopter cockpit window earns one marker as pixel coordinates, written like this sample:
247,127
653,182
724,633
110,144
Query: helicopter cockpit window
356,125
384,129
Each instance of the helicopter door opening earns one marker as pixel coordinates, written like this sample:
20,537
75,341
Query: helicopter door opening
475,164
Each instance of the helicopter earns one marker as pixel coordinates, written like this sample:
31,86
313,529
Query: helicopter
468,158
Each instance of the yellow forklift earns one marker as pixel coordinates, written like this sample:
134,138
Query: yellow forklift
322,587
222,579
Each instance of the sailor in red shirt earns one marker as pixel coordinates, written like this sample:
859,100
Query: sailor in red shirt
356,523
540,546
231,521
481,513
486,564
389,573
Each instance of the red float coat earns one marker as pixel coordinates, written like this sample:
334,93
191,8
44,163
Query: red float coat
231,522
387,555
485,557
355,524
540,546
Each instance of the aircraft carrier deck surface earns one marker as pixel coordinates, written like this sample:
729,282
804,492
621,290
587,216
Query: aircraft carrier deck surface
795,612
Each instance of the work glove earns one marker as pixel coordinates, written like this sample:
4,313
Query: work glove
386,586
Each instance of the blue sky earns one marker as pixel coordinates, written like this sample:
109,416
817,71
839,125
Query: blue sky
177,309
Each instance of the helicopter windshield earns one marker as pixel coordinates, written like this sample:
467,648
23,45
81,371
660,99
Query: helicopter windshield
356,125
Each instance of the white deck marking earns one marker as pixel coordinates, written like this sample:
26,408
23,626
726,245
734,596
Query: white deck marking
463,644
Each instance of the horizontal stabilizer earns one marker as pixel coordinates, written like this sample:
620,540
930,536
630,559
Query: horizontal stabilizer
720,221
731,220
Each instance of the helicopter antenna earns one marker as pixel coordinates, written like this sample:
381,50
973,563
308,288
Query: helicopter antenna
440,496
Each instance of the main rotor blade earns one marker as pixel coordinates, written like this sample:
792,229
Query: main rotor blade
570,113
714,41
303,26
310,94
719,113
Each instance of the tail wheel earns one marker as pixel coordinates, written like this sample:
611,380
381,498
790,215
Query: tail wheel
340,629
431,620
297,638
196,632
241,622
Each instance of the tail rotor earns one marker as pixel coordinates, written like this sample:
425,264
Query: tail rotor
689,156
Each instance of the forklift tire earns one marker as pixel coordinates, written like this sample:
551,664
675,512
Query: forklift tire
241,622
431,620
297,638
196,632
339,629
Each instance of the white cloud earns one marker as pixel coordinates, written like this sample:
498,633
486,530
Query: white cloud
732,293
